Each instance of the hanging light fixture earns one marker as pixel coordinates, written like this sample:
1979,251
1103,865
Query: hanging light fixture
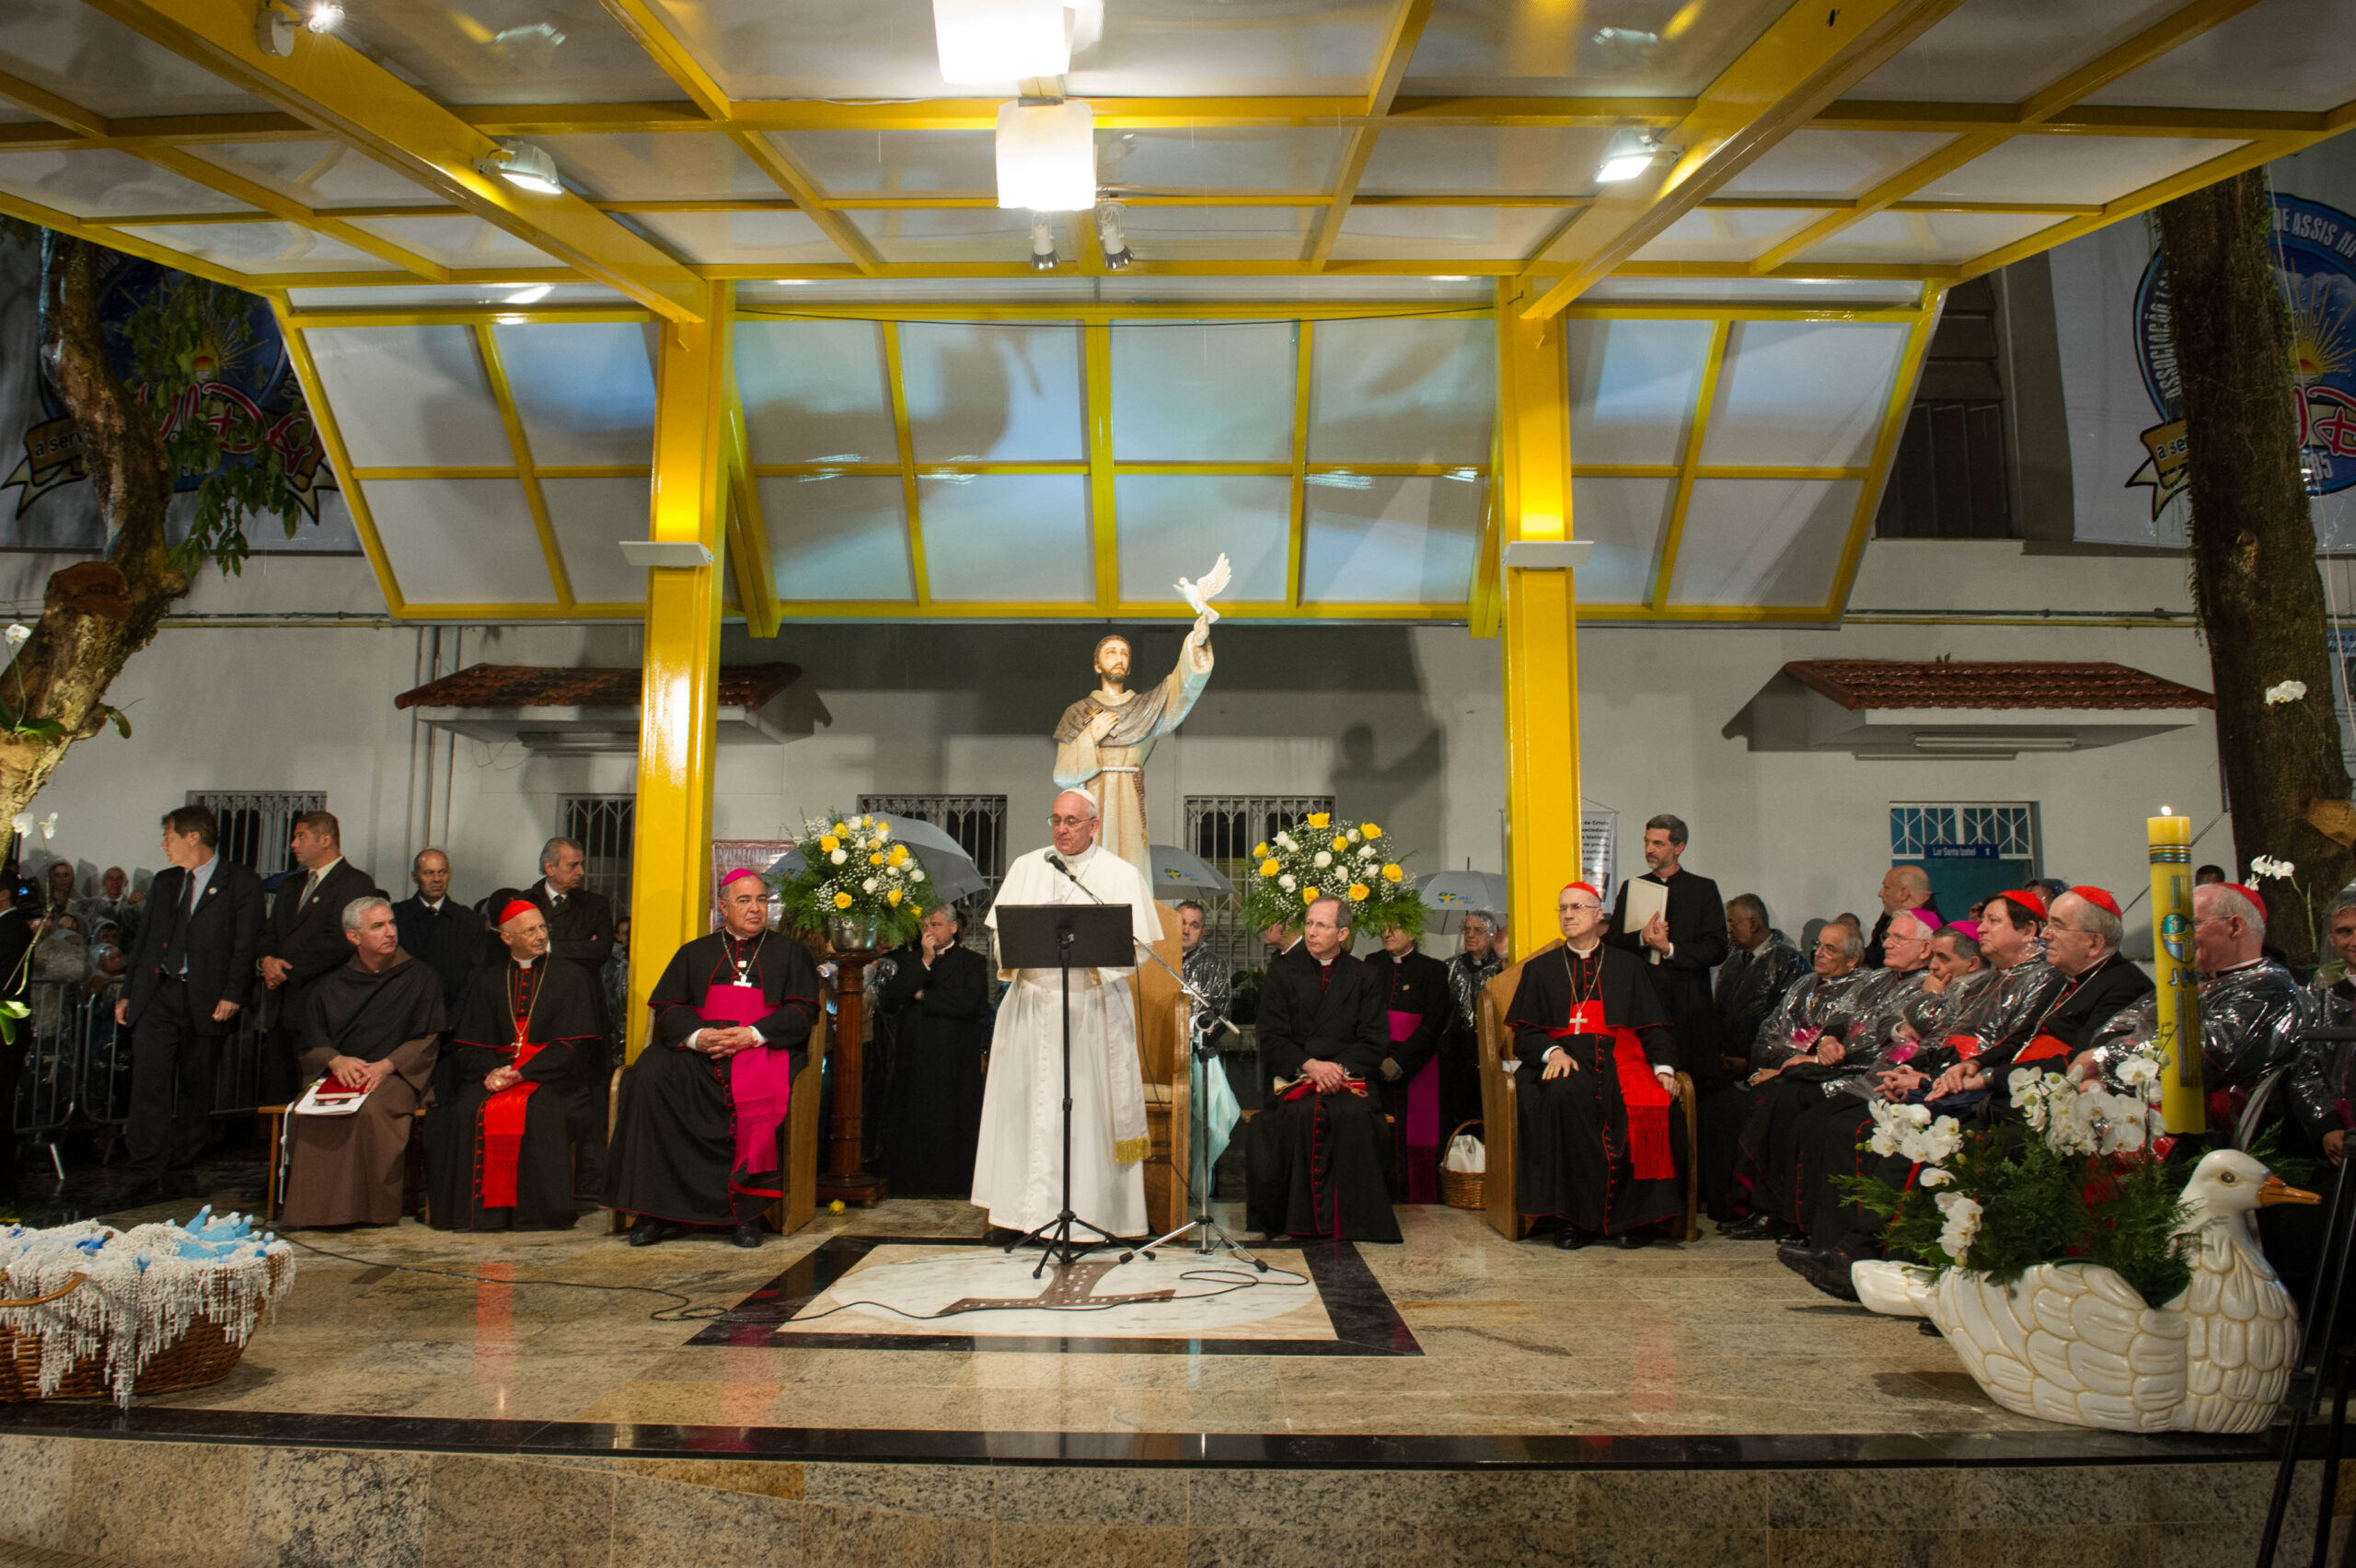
1042,244
1628,157
1001,40
522,164
1109,236
1046,156
323,17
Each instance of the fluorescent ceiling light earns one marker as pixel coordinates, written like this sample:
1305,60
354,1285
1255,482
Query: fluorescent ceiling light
1046,156
531,295
522,164
1001,40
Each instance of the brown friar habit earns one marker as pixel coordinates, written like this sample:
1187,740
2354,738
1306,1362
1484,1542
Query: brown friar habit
1320,1164
674,1153
1576,1161
347,1169
509,1007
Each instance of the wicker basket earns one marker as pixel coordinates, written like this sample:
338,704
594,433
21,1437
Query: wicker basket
1462,1189
201,1355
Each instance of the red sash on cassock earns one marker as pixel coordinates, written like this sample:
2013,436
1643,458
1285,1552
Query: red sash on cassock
760,1081
1647,1101
1422,1116
503,1135
2044,1048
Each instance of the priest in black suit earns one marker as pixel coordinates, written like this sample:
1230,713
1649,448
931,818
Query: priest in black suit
1680,948
1318,1155
439,932
1418,1008
936,1010
1601,1142
581,933
304,941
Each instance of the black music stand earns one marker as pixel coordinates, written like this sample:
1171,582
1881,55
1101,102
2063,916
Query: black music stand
1064,937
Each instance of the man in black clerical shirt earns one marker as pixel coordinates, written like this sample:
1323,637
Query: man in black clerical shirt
581,932
1680,948
1416,1008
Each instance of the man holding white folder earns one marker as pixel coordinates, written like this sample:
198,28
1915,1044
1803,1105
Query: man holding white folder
1676,921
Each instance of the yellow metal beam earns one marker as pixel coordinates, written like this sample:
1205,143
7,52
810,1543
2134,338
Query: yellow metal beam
748,531
495,372
904,465
796,181
70,117
1805,60
1407,22
130,245
1103,510
331,86
1697,430
1297,505
314,396
1893,427
189,167
671,55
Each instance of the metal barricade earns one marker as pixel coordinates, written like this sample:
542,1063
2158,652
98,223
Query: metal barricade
54,1036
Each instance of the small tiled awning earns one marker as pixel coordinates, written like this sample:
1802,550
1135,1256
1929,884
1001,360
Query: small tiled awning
557,707
1950,708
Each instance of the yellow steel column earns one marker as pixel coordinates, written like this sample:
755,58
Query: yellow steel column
677,734
1540,629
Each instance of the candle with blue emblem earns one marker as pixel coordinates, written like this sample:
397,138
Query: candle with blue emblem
2183,1108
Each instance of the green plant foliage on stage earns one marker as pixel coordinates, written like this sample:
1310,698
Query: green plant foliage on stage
854,870
1319,857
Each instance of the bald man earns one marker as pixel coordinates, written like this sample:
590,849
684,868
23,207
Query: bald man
1906,887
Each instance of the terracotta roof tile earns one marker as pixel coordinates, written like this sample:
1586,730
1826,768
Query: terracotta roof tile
554,685
1901,683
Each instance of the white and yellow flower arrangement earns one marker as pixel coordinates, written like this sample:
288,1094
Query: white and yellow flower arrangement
1316,857
856,880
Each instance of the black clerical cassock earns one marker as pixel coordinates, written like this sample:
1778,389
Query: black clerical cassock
698,1139
1416,1008
1697,918
505,1163
1317,1164
1600,1146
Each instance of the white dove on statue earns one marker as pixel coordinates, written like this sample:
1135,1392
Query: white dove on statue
1200,593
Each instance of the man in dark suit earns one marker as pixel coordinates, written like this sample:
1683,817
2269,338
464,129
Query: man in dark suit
581,932
439,932
305,941
191,973
19,901
1681,945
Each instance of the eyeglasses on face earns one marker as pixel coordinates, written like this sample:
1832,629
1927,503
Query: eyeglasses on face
1070,821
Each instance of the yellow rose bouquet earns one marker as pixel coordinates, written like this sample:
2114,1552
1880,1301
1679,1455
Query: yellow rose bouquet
858,883
1320,857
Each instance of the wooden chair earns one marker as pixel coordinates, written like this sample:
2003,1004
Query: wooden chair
1500,1113
803,1137
1164,1016
413,1194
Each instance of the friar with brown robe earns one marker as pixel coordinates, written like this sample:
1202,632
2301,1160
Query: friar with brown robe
504,1161
369,1028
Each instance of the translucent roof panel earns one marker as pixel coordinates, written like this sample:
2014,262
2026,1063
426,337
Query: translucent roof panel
1276,159
1254,234
590,519
2083,170
460,541
409,397
510,50
1632,386
780,237
785,49
858,163
2265,58
1727,233
658,168
1763,541
1555,161
263,247
814,392
584,390
1175,525
2023,44
65,46
837,536
428,296
1827,291
103,183
318,174
1606,48
459,240
953,234
992,394
1403,390
1444,234
1803,394
1203,392
1840,163
1625,520
1388,540
1901,237
1214,48
1007,538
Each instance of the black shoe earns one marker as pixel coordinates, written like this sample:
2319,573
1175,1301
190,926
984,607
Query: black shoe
747,1234
1823,1270
1753,1227
1633,1241
649,1230
1570,1239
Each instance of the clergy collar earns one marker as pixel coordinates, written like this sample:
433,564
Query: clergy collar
521,962
1080,861
2102,962
1586,952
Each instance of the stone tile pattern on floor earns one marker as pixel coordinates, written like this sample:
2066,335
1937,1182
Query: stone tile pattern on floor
164,1505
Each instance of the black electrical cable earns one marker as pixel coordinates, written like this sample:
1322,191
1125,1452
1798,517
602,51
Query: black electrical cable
1242,1282
686,1312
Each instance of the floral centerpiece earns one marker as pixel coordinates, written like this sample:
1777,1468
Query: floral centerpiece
858,885
1314,858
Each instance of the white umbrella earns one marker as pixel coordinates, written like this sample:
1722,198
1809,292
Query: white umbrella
1173,867
1450,896
946,865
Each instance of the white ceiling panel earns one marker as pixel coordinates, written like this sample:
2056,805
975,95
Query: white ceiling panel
1444,234
1553,161
1624,520
814,392
318,174
1403,390
1279,158
1829,292
2271,56
590,519
264,248
429,296
816,49
1838,164
2080,171
460,541
861,163
1175,526
1197,46
1605,48
101,182
1727,233
992,394
1020,539
837,536
1901,237
584,390
409,397
1763,541
2006,50
658,168
1179,233
510,50
1203,392
1632,386
953,234
772,237
65,46
1386,540
1803,394
460,240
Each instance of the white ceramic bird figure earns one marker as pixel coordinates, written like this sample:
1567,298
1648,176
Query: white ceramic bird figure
2073,1342
1200,593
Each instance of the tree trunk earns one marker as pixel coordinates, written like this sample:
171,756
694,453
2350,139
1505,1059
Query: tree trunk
96,614
2253,545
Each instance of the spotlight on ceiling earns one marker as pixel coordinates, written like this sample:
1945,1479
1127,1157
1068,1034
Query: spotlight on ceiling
522,164
1001,40
1627,157
323,17
1108,236
1042,244
274,31
1046,156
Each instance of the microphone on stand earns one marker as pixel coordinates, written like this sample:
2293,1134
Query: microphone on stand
1057,861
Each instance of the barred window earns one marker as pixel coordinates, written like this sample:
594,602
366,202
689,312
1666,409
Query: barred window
2008,827
1222,829
605,826
258,826
977,822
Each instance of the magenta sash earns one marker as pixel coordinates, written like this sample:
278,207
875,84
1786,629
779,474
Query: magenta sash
759,1080
1423,1117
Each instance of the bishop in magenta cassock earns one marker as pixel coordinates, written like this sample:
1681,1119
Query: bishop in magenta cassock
1600,1144
699,1126
504,1161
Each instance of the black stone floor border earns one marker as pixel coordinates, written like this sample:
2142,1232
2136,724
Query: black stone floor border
1149,1450
1365,1321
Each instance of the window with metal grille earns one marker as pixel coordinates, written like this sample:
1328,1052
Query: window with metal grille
977,822
2006,829
1222,829
605,826
258,826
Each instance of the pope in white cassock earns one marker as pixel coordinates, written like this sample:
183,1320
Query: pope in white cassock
1018,1172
